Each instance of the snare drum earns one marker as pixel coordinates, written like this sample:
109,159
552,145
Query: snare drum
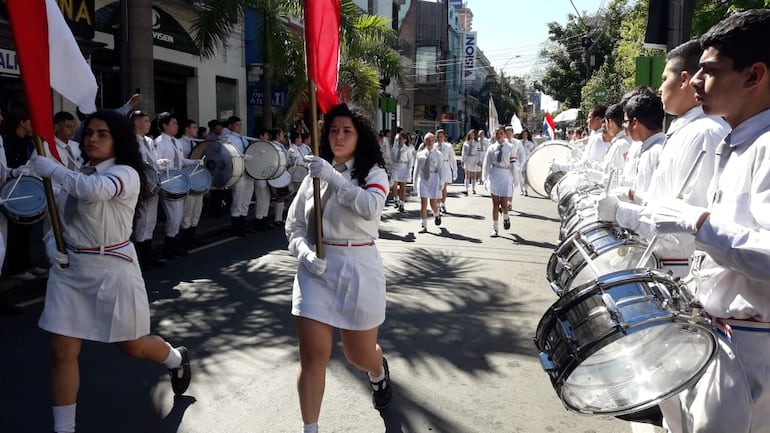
623,343
298,173
26,204
268,160
153,183
551,181
281,187
200,179
223,161
174,184
539,163
609,247
568,183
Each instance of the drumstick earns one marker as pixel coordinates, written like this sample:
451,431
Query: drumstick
687,180
587,258
171,178
16,182
4,200
198,167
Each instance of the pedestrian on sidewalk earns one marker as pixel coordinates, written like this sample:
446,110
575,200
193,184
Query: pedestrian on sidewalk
95,291
345,289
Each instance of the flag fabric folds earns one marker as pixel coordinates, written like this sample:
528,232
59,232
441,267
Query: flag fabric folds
549,127
49,58
322,48
493,118
516,123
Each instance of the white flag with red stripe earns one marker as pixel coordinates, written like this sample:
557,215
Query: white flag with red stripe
49,58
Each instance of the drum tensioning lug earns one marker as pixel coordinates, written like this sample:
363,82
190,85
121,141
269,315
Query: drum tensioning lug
568,332
611,306
557,289
545,362
588,245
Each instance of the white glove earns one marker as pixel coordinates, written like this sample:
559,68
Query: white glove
199,162
675,216
620,192
44,166
607,208
555,166
247,157
319,167
56,257
24,170
306,256
163,163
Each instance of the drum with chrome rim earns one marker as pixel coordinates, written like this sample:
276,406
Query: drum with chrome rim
539,163
223,161
623,343
174,183
281,186
200,179
268,160
609,247
23,200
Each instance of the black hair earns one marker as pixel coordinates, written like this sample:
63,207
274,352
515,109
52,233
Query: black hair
367,153
186,124
638,90
214,123
647,109
62,116
614,114
232,119
529,134
598,110
739,37
123,144
163,118
685,57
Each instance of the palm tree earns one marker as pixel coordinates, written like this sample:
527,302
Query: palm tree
365,47
508,99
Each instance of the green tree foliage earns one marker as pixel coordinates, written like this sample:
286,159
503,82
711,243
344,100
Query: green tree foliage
710,12
506,92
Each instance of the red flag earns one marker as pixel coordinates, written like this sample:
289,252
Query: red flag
49,58
322,48
549,127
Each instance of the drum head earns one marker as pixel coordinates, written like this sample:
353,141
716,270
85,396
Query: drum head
223,162
281,181
539,163
200,179
298,173
27,202
617,346
268,160
175,181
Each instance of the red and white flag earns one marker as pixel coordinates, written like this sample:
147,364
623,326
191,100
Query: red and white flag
322,48
549,126
49,58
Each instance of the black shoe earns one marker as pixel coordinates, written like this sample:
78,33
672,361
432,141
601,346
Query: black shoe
437,220
507,224
382,393
465,192
180,376
262,225
169,248
401,208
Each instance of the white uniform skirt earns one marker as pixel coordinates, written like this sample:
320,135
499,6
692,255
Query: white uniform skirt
98,298
472,164
446,172
349,295
430,188
500,182
401,172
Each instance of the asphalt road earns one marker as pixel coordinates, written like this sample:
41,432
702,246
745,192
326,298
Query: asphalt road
462,312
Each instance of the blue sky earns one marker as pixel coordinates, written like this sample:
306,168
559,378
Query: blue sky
511,28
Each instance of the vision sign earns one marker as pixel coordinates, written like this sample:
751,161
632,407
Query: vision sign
469,56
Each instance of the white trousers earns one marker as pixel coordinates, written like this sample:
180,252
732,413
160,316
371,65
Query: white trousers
262,192
242,192
734,393
193,205
148,217
174,210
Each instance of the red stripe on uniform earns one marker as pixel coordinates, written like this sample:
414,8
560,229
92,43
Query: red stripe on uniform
378,186
120,185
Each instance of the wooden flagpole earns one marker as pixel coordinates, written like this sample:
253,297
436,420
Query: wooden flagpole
53,211
319,245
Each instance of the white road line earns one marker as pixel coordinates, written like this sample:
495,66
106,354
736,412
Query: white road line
213,244
30,302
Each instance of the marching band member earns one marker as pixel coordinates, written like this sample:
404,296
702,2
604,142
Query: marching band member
193,204
643,121
690,134
346,289
450,165
731,267
403,161
279,203
148,209
243,190
170,156
615,158
101,295
595,148
69,150
471,159
529,147
497,170
518,153
427,179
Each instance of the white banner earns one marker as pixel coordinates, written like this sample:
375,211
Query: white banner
469,56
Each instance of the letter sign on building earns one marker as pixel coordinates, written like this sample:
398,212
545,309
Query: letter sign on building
469,56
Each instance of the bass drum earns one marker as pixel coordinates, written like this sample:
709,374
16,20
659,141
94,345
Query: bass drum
623,343
223,161
24,202
610,249
268,160
539,163
281,187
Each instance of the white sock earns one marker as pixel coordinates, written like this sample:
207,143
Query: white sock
310,428
64,418
174,359
505,214
495,225
378,378
278,209
425,223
